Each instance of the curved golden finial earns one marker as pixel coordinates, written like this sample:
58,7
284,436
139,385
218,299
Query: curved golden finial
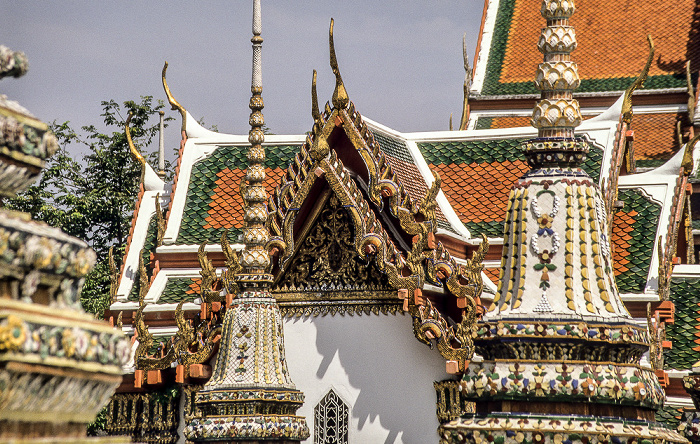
467,85
314,101
691,93
174,104
638,83
450,121
340,95
134,152
687,163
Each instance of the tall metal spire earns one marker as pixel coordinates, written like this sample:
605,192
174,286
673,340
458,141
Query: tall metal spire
255,259
250,396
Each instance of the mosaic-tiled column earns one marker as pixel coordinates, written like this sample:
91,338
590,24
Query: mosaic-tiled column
250,396
561,352
58,364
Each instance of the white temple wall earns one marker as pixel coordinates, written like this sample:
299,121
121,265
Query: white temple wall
376,365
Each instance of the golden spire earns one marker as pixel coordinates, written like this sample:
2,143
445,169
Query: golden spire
251,398
255,258
340,95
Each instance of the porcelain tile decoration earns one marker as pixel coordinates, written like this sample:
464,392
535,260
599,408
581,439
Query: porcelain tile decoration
557,331
58,365
251,396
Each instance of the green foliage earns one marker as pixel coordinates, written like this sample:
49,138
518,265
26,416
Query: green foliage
94,200
97,427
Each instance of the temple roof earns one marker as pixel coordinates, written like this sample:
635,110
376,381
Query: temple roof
506,61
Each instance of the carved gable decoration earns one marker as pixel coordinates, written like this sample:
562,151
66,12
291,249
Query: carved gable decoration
326,275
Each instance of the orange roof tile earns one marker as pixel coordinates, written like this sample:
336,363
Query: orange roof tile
412,181
478,192
510,121
194,286
622,227
655,135
492,273
226,204
612,44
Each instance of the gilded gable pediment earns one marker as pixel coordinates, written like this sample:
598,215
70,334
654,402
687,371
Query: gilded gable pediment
326,274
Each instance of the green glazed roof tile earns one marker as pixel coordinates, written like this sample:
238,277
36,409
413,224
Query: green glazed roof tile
685,294
670,416
176,290
643,237
203,182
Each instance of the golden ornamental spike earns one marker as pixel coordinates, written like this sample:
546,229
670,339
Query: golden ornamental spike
135,154
451,129
687,163
340,95
143,281
638,83
315,113
174,104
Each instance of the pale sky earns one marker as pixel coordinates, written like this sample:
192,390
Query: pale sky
401,61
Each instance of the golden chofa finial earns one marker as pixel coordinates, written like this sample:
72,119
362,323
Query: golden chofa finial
467,85
638,83
315,113
687,163
319,149
175,105
340,95
134,152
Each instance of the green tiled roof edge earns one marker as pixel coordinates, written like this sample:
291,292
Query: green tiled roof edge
175,291
652,163
493,86
393,147
643,238
490,151
472,151
497,51
484,123
685,294
149,246
593,85
490,229
670,416
203,181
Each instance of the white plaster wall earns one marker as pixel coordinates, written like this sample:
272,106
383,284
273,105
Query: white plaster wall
376,365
